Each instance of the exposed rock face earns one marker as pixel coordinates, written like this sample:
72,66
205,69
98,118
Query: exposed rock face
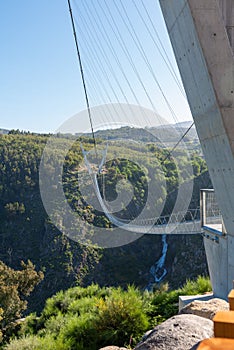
181,332
206,309
112,348
181,249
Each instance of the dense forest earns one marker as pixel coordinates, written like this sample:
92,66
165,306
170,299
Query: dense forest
27,233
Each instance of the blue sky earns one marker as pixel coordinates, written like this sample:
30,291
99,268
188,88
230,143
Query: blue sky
40,79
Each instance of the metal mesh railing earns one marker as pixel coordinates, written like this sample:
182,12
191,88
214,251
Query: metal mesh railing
210,212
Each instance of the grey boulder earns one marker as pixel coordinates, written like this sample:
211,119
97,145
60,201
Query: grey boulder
180,332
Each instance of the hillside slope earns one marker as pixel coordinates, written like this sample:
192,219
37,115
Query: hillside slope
27,233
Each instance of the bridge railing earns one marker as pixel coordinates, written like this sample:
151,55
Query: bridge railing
211,217
175,218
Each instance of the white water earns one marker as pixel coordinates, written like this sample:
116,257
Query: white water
158,271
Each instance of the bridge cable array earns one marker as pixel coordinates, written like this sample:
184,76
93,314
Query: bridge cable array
95,54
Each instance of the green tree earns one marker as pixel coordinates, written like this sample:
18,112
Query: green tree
15,208
15,286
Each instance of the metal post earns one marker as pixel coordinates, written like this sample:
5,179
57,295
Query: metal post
203,207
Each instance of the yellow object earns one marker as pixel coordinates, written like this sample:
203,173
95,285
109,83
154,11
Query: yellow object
231,300
216,344
224,324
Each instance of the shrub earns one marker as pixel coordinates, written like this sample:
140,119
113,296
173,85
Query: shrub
56,304
54,324
121,317
36,343
25,343
199,286
62,301
79,333
84,305
30,325
93,317
165,304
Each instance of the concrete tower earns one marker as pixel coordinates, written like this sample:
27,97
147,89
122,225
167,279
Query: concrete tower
202,36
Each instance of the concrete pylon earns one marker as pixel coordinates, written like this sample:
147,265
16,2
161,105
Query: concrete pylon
202,36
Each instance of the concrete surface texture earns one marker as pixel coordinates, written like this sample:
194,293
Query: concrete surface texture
206,309
201,34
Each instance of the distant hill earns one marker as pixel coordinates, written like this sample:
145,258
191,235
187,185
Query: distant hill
185,124
166,135
4,131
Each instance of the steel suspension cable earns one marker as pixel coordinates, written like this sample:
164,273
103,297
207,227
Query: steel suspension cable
123,46
82,74
162,54
140,48
100,55
177,143
162,46
115,54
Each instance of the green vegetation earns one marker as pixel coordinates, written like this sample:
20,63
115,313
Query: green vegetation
27,233
14,287
165,303
93,317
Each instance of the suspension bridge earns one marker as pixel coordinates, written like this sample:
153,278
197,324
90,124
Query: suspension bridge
202,37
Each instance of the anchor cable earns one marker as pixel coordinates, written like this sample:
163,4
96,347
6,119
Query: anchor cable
82,74
177,143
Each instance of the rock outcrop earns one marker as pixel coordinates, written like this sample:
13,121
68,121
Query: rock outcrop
206,309
181,332
112,348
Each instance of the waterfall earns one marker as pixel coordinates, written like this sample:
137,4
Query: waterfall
158,271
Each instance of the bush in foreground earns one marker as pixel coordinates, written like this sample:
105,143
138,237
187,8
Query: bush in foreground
164,303
94,317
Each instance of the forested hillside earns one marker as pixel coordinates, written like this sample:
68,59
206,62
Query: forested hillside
26,232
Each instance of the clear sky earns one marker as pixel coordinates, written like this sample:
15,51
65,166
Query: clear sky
40,79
